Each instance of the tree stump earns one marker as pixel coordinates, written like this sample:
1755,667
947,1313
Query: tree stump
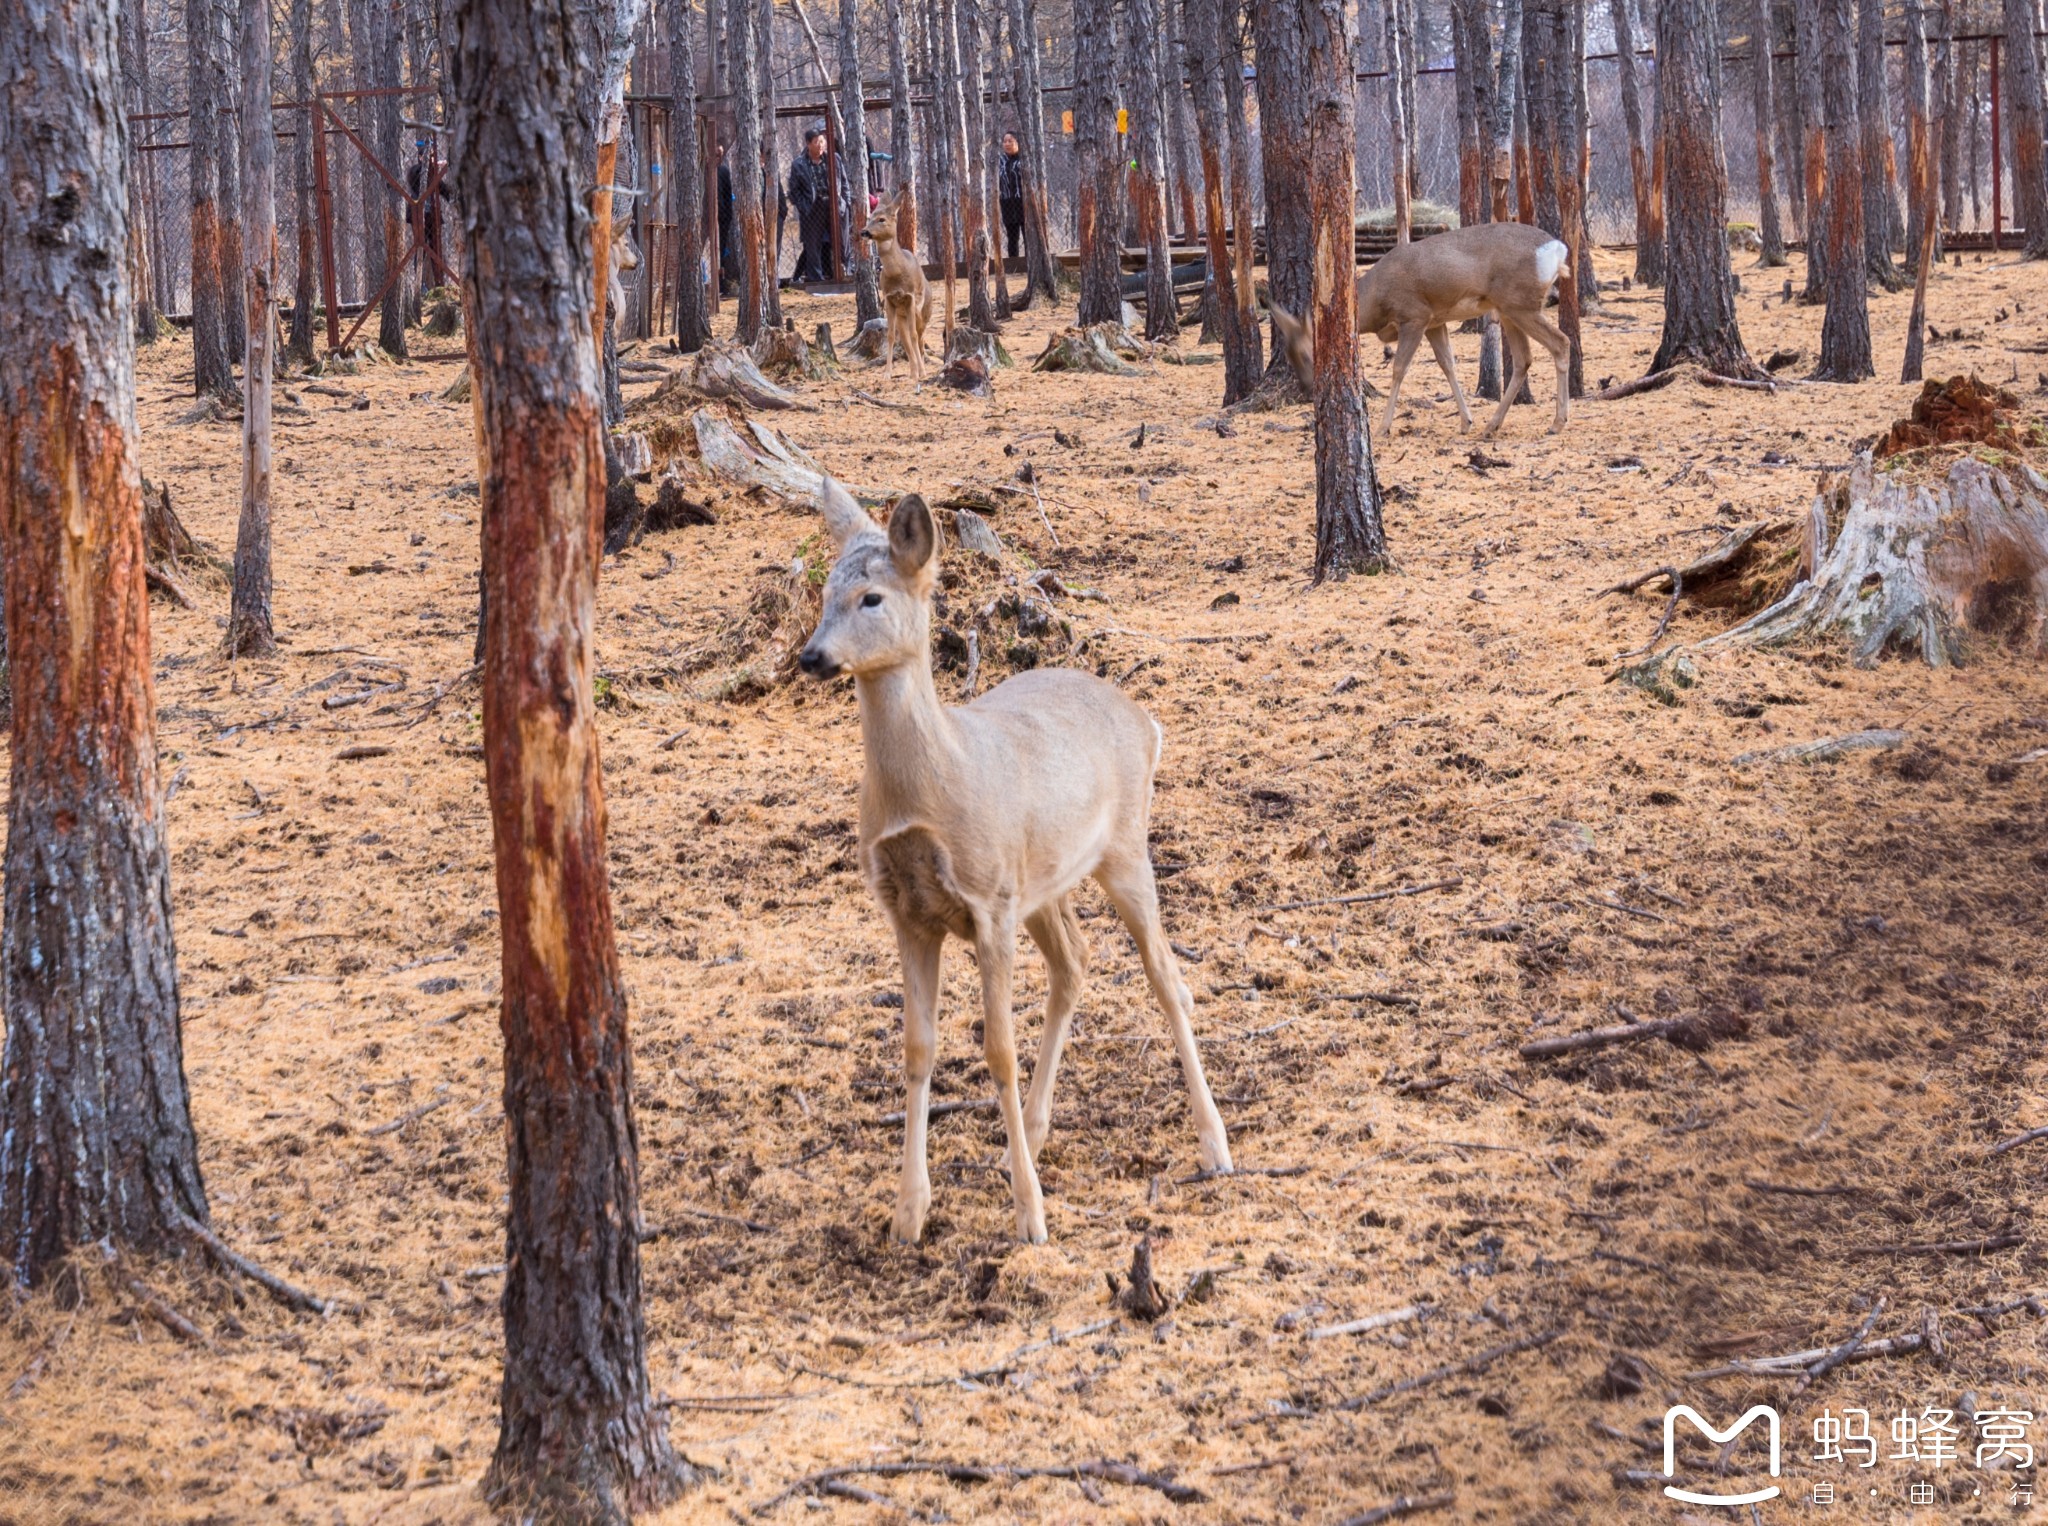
444,318
977,344
869,342
1099,347
724,369
457,391
968,374
787,356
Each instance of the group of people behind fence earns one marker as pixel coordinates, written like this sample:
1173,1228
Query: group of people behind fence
810,191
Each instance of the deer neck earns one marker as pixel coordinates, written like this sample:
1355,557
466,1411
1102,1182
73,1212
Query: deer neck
909,741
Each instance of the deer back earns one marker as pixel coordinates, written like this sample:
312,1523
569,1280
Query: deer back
1449,277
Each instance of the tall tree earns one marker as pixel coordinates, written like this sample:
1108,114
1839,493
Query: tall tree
1284,110
902,127
1237,317
386,117
757,273
1588,279
771,183
1468,36
299,346
96,1140
1808,65
1770,230
135,101
1237,129
970,155
1649,208
1873,111
205,91
1398,123
1506,91
1042,273
1699,288
1922,218
1845,325
1148,155
1555,139
2023,103
227,28
1790,156
1948,111
1179,118
1350,536
249,624
686,184
580,1436
1098,168
987,144
867,290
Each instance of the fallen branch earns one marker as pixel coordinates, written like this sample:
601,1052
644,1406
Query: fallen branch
976,1473
752,1226
1360,900
2017,1140
941,1109
1405,1505
1944,1247
1795,1363
1841,1353
1370,1322
153,1302
1471,1366
411,1115
1670,374
234,1261
1057,1338
1822,750
1384,998
1686,1032
2032,1303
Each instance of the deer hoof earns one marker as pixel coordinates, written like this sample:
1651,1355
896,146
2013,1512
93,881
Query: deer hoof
1031,1226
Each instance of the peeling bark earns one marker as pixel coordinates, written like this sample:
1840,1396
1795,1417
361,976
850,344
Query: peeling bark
1148,153
1098,171
2023,100
1845,326
249,618
1235,314
1649,209
1873,116
212,372
1808,66
1770,230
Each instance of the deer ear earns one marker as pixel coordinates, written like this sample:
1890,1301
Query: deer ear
843,517
913,538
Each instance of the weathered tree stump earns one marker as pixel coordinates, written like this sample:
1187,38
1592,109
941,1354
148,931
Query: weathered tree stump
1100,347
444,318
968,374
785,355
457,391
724,369
869,342
977,344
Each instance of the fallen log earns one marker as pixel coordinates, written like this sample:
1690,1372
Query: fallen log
1685,1032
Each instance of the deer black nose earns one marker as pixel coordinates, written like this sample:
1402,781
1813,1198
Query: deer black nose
814,663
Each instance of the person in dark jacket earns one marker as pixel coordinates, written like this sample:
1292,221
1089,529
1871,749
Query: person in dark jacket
1010,191
810,193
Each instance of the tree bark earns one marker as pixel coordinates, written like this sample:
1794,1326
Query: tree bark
853,152
144,211
298,348
580,1438
228,27
987,146
1350,536
2023,107
1179,118
1808,66
386,113
1097,167
1790,159
1230,42
1398,66
1148,153
96,1138
1279,35
902,129
1554,148
1699,288
1921,217
757,275
1649,211
771,171
1845,326
1771,231
1873,111
1467,71
1042,273
970,159
249,619
686,186
212,371
1949,109
943,144
1236,316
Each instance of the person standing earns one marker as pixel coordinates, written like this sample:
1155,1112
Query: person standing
810,192
1010,191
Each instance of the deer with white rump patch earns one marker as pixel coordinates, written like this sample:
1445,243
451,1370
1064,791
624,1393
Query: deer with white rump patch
1417,290
906,294
977,819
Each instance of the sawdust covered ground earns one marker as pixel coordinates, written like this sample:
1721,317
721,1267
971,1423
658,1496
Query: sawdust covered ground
1874,921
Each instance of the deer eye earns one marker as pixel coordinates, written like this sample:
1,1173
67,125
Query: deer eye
871,601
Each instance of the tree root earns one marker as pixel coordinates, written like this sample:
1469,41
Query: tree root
1670,374
234,1261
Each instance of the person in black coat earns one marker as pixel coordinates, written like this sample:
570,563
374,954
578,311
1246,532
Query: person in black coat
1010,191
810,193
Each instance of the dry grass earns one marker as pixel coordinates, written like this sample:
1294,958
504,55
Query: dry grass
1874,922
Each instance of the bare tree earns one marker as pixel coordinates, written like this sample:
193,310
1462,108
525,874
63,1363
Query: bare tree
1555,144
757,274
96,1141
867,291
1790,158
1845,325
1770,230
1285,107
1398,67
580,1436
1699,288
1649,211
1471,68
1179,118
970,156
1948,110
1237,316
134,102
686,182
1921,217
1148,156
205,87
902,128
249,622
771,179
1097,166
227,28
1808,66
1042,274
1873,111
1230,39
299,346
2023,100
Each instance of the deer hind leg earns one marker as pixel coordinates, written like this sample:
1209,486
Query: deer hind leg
1518,370
1057,932
995,949
1440,342
1403,354
1551,337
920,953
1134,893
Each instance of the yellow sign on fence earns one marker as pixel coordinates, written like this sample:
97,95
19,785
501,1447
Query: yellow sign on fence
1067,122
1123,119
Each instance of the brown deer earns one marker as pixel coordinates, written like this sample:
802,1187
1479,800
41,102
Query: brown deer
978,819
1417,290
906,295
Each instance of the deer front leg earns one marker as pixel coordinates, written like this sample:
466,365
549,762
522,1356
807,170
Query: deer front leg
995,949
920,955
1404,353
1440,342
1058,936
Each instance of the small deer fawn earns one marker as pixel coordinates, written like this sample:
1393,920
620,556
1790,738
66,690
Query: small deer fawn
906,295
979,818
1417,290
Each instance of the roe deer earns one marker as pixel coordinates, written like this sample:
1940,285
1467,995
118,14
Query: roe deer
1417,290
625,255
975,819
906,295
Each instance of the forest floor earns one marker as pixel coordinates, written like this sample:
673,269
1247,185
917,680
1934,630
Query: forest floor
1868,930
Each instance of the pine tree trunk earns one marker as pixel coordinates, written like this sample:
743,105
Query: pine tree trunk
1845,326
249,620
1921,217
1548,41
1042,274
1770,230
228,27
134,102
1809,68
772,220
867,291
1649,232
299,346
2023,108
757,275
1948,109
96,1138
1179,118
1790,158
1699,287
985,146
902,128
1236,316
1466,69
1148,152
580,1437
1097,168
1350,536
1540,46
1873,111
970,157
686,185
1588,277
385,113
1284,112
1397,122
1237,129
212,372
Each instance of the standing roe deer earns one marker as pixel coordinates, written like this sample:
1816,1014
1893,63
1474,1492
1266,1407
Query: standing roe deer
1418,289
976,818
906,295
